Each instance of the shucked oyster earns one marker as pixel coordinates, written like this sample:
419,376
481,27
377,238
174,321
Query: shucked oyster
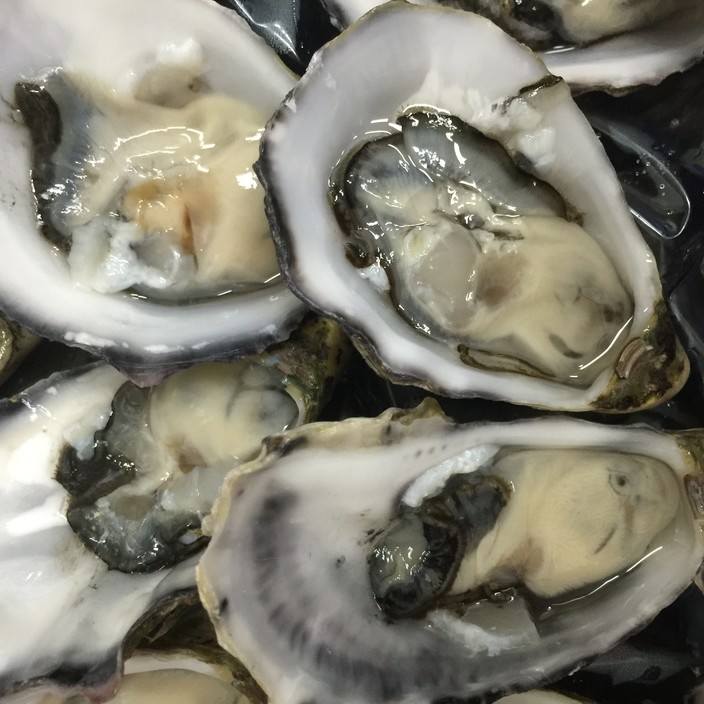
603,44
103,489
406,559
140,489
465,225
64,614
144,137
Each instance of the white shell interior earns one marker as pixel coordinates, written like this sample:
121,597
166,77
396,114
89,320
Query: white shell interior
445,69
112,41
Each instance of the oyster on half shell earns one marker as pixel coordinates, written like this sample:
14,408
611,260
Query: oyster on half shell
605,45
103,486
131,110
183,676
314,541
465,225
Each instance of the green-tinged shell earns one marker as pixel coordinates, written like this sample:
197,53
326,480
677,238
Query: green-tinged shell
311,361
650,370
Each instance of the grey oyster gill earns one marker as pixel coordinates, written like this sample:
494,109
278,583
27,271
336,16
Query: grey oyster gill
480,254
153,192
304,548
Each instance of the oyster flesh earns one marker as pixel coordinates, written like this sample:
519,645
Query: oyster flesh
407,559
466,227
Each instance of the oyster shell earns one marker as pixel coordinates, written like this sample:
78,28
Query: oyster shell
172,48
301,524
469,242
607,46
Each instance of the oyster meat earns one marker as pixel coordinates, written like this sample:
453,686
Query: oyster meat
143,143
140,489
407,559
466,227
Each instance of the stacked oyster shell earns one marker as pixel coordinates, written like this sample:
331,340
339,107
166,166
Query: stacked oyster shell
404,558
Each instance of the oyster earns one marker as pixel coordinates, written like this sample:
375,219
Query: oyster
103,489
467,228
303,525
81,611
159,677
604,45
138,161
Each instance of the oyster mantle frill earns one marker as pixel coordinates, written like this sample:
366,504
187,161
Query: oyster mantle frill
461,237
289,575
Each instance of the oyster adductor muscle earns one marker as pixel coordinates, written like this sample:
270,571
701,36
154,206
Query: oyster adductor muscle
407,559
464,225
144,135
